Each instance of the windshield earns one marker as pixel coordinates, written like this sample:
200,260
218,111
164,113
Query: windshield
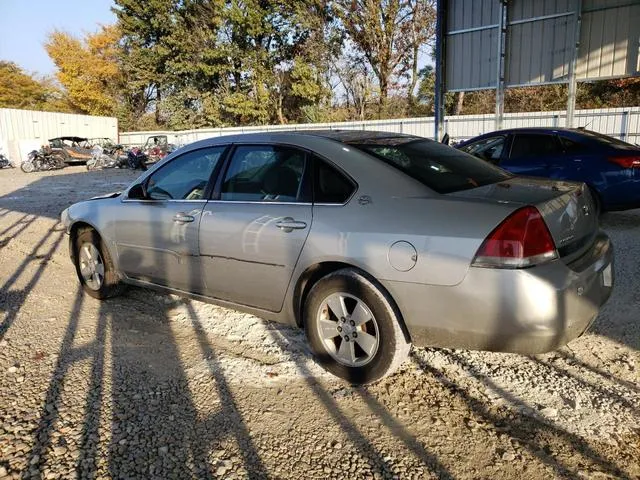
439,167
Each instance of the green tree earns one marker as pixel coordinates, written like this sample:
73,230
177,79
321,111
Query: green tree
146,28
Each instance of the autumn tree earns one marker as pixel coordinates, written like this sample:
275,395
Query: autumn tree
21,90
89,69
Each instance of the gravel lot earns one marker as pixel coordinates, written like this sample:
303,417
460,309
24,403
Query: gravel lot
154,386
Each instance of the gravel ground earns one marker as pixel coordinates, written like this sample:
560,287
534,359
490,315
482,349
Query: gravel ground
154,386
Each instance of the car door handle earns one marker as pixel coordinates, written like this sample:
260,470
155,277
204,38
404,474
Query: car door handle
183,218
288,224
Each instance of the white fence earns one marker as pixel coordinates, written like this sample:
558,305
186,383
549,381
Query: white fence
24,130
622,123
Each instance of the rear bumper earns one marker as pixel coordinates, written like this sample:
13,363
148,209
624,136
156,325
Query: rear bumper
527,311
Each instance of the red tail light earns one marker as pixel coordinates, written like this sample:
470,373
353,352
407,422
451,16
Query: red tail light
521,240
626,161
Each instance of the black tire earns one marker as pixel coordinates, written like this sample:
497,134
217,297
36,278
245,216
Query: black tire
392,346
58,161
27,167
110,285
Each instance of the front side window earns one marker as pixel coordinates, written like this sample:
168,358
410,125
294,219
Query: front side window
488,149
533,145
264,173
186,177
439,167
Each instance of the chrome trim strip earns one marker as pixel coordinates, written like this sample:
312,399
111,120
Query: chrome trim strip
177,200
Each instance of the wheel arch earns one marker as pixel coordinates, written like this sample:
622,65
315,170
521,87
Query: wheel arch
74,231
312,274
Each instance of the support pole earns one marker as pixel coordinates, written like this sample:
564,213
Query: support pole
573,82
440,73
500,80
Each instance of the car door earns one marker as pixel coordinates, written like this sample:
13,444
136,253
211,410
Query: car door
532,154
253,231
157,235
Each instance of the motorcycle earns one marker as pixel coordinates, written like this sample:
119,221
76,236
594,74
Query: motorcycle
100,159
137,159
38,161
5,162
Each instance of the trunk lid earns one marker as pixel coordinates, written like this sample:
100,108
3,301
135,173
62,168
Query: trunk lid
566,207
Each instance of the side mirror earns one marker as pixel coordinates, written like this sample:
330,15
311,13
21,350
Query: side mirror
445,139
138,192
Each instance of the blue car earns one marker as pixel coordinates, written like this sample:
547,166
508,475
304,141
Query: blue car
610,167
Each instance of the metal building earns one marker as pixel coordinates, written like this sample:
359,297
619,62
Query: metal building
24,130
496,44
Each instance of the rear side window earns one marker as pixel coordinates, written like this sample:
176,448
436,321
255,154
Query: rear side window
439,167
533,145
570,146
330,185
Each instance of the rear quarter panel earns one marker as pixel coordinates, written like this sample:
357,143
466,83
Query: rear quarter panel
445,232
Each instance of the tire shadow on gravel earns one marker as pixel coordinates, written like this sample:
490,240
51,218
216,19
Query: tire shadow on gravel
531,433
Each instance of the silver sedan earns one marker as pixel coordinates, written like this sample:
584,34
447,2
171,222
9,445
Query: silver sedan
370,241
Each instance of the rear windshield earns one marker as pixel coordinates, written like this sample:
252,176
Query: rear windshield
610,141
439,167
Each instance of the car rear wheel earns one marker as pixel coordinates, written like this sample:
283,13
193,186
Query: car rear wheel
353,328
94,266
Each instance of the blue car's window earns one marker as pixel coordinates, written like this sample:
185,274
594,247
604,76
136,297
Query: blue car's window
528,145
439,167
488,148
609,141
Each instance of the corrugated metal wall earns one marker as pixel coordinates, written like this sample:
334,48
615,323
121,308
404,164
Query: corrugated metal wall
540,41
623,123
22,130
609,40
471,55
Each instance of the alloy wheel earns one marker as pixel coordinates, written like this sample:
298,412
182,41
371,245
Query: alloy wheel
91,266
348,329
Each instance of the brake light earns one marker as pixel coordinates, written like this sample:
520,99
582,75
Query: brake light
626,161
521,240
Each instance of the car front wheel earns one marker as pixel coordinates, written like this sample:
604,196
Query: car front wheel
353,328
94,266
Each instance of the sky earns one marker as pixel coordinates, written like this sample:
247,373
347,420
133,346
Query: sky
24,25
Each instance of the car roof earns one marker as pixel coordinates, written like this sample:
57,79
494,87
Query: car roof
355,136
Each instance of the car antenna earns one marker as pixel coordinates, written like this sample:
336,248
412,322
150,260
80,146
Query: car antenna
586,126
